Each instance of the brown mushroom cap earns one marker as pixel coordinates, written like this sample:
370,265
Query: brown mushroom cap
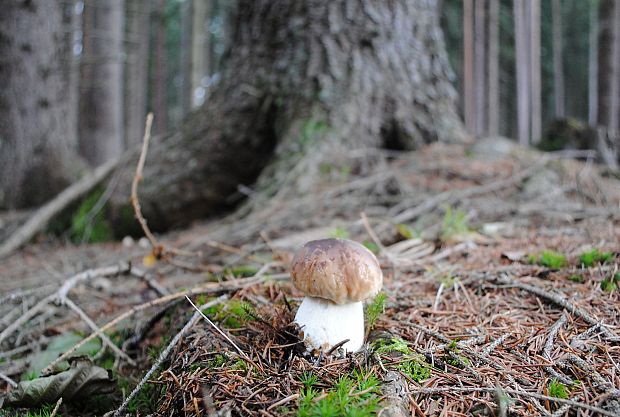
339,270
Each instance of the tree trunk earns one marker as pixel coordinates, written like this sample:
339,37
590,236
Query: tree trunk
468,67
160,107
200,47
186,55
558,70
479,66
136,69
522,70
101,81
37,139
535,82
304,82
493,64
593,65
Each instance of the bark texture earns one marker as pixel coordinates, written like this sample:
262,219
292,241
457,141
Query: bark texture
101,81
137,18
305,78
36,135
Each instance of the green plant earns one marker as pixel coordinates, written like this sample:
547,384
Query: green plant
594,256
405,231
352,395
549,259
576,278
374,310
308,379
371,246
88,223
610,284
339,232
454,223
415,367
233,314
395,344
44,411
557,389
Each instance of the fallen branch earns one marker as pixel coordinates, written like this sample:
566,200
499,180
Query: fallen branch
45,213
166,352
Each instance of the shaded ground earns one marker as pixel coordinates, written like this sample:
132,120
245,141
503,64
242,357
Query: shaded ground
477,320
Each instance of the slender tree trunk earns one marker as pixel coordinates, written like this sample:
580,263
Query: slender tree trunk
558,70
535,81
304,83
479,66
160,106
522,70
493,65
136,69
614,96
101,81
468,67
37,136
593,65
200,47
187,56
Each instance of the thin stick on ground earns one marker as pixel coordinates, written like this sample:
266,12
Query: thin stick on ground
204,316
106,340
8,380
558,300
56,407
166,352
447,390
206,288
136,180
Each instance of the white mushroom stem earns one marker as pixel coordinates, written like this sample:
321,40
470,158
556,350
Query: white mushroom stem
325,324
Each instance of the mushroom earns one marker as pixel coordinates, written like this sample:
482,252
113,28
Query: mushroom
336,275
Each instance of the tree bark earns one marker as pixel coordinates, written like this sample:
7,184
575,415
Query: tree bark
101,81
558,68
535,81
593,65
479,66
37,139
136,69
469,89
522,71
187,57
200,47
493,109
305,81
160,107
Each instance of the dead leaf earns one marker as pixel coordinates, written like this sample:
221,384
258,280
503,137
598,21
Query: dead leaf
82,380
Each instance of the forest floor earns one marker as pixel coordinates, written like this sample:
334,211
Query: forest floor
500,298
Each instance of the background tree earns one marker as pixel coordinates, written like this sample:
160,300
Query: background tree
558,67
101,81
37,135
137,34
493,106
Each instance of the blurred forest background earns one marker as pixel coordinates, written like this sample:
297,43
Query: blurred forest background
78,78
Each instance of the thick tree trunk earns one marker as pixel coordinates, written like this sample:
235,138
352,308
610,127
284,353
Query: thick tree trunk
101,81
137,20
160,107
304,79
37,140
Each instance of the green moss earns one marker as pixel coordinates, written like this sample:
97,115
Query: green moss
244,270
233,314
371,246
406,231
549,259
352,395
610,284
44,411
557,389
576,278
411,364
395,344
374,310
593,257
